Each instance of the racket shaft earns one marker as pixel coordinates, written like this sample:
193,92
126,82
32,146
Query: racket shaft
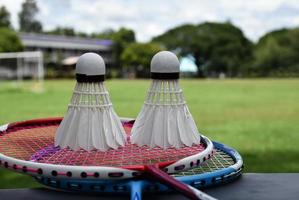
136,190
168,180
201,195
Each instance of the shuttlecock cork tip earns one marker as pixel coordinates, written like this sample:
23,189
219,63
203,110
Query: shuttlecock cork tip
90,67
165,65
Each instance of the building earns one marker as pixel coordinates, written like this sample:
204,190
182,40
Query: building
52,56
63,50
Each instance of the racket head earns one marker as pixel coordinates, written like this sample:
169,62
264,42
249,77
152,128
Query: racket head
225,166
27,147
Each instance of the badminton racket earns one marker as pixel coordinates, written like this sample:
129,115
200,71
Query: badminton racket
225,166
27,147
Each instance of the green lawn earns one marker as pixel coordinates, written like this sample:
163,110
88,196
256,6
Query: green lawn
260,118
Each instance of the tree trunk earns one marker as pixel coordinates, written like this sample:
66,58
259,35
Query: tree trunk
200,73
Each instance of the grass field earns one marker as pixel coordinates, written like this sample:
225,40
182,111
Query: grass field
260,118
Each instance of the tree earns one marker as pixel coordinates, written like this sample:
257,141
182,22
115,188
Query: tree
137,57
216,47
276,53
27,20
67,31
4,17
106,34
121,39
82,34
9,41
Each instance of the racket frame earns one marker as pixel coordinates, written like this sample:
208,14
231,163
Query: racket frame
135,186
90,172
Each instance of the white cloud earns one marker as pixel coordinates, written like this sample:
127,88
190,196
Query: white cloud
149,18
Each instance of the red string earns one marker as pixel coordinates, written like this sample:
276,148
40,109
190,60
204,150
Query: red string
23,140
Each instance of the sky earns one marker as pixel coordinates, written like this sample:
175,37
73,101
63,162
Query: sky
153,17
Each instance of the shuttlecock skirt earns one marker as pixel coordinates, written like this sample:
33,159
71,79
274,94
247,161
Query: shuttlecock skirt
165,120
90,121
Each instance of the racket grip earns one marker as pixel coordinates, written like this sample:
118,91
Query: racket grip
170,181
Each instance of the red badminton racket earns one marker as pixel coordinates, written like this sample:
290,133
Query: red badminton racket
28,147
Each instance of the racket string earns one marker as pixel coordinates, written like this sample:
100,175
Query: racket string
36,144
220,160
15,145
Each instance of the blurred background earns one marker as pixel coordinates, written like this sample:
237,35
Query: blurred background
239,66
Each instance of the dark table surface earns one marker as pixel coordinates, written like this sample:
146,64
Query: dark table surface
250,186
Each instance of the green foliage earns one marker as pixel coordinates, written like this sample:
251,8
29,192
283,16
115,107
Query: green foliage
276,54
106,34
82,34
121,39
216,47
27,20
137,57
67,31
9,41
4,17
124,36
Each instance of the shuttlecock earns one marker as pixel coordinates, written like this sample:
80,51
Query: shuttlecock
165,120
90,121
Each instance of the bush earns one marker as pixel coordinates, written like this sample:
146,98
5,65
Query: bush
9,41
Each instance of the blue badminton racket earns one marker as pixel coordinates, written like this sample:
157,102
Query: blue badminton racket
225,166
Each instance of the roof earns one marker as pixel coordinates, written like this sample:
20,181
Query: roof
64,42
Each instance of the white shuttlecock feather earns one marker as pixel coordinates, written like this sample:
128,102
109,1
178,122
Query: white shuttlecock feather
90,121
165,120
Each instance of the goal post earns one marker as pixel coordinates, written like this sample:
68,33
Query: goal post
26,62
21,65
